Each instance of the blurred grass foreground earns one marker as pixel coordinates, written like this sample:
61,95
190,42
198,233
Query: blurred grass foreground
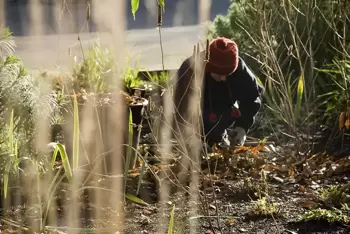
86,137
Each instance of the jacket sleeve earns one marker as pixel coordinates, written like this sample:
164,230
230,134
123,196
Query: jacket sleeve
249,99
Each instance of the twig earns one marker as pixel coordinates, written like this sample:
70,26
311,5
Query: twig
13,224
159,24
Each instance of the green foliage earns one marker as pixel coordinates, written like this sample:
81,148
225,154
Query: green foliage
7,44
59,148
76,134
160,80
22,103
331,216
131,79
335,195
135,5
283,43
338,92
97,72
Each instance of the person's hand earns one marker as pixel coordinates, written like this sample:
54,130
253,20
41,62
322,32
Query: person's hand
236,136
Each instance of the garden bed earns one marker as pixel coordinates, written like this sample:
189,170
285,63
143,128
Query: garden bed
251,193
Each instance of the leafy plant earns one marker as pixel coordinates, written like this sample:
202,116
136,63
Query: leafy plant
135,5
131,79
283,43
335,195
160,80
334,215
263,207
338,90
7,44
97,72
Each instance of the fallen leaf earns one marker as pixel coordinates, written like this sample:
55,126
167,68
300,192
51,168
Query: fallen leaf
133,175
230,222
135,199
291,172
148,212
301,188
307,204
241,149
269,167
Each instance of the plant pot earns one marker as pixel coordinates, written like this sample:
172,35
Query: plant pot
137,110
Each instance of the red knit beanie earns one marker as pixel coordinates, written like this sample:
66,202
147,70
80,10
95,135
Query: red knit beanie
223,56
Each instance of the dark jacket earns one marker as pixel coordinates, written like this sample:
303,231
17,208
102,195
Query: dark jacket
240,86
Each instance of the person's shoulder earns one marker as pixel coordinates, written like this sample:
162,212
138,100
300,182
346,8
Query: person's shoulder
243,71
186,65
189,61
242,66
245,76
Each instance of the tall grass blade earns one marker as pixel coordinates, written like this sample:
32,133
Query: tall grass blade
11,128
6,178
171,221
76,134
11,149
129,150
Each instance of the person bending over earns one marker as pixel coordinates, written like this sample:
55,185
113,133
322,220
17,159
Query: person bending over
231,94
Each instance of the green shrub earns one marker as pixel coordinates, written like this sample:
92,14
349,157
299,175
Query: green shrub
284,42
23,102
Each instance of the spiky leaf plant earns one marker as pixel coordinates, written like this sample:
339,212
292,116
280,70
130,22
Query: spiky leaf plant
7,44
22,103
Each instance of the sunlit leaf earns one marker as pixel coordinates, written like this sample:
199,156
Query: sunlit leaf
76,134
65,160
135,199
134,7
171,221
347,124
300,92
161,3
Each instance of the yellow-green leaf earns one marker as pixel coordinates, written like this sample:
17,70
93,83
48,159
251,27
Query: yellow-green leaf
65,160
76,133
161,3
171,221
300,92
136,199
134,7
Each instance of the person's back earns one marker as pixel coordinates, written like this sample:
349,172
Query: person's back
231,94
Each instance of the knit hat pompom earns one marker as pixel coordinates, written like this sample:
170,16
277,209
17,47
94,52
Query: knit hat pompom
223,56
221,43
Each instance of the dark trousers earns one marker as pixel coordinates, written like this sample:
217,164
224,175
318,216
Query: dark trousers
216,131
